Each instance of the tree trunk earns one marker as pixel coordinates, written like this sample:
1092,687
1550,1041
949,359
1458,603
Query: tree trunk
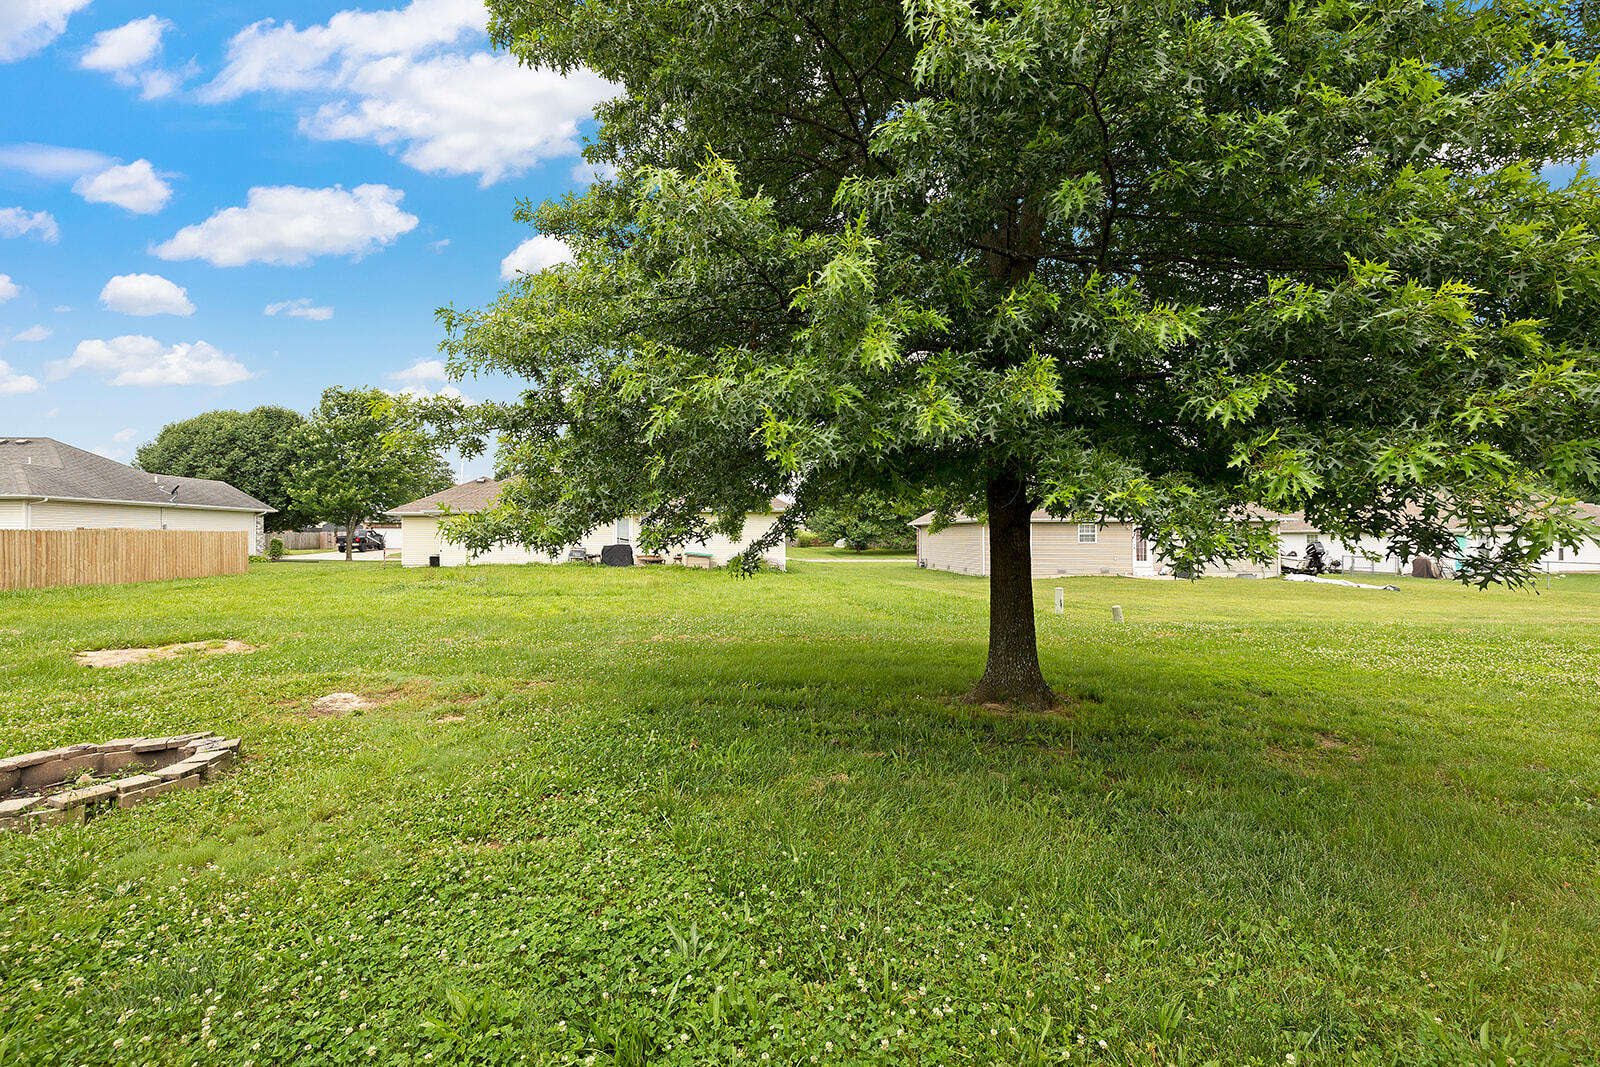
1012,674
349,538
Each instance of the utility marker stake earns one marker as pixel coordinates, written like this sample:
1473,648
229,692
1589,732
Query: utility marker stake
1116,613
1061,600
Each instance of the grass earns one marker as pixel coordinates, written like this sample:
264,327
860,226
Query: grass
830,552
665,816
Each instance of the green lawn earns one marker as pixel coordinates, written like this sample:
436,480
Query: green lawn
666,816
830,552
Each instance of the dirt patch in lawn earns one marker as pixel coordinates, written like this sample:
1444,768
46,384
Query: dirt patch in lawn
336,704
1338,745
1324,756
121,657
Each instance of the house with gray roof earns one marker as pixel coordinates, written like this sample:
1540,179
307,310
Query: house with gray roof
423,543
48,485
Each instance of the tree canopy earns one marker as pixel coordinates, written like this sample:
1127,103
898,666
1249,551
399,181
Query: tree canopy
250,450
1156,262
866,521
360,455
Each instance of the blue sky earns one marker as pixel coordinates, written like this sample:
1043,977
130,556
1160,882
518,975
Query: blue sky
219,205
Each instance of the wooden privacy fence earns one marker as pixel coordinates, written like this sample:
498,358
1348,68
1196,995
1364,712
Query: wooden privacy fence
35,559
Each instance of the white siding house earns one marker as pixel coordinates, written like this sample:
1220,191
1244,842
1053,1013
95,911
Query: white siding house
421,539
1060,548
1294,533
48,485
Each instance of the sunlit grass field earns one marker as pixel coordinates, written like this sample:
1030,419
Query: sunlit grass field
666,816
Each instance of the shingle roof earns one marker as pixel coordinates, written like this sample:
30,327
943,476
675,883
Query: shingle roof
468,496
1287,522
479,494
43,467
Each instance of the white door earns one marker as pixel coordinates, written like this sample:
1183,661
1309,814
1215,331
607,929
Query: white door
624,532
1141,554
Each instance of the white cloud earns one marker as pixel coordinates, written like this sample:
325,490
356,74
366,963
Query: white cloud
410,80
299,309
34,333
135,187
16,222
144,361
26,26
587,173
423,370
145,294
122,437
52,162
62,308
440,245
268,56
418,392
127,46
15,383
288,225
52,413
128,54
481,114
154,83
534,255
8,288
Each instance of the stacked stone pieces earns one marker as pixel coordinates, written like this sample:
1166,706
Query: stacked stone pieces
185,761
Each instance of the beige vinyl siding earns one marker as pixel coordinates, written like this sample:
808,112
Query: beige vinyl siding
722,549
64,515
419,539
1240,567
72,515
199,519
75,515
13,514
1057,550
452,554
1583,559
958,548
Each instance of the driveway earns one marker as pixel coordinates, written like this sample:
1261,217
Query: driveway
377,556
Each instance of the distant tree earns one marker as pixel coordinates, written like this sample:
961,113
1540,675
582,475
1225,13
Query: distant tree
361,455
250,450
864,522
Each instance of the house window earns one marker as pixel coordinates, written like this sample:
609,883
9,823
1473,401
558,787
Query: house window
1088,533
624,531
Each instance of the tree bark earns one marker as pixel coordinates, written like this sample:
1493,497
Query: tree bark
1012,674
349,539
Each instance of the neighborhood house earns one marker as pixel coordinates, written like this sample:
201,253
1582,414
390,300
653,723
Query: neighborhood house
1372,555
48,485
422,544
1063,548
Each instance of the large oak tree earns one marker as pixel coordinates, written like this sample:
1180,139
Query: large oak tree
1160,262
250,450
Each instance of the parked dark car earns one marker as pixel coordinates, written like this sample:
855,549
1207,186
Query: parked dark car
366,541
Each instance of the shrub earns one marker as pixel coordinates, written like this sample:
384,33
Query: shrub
275,549
807,539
